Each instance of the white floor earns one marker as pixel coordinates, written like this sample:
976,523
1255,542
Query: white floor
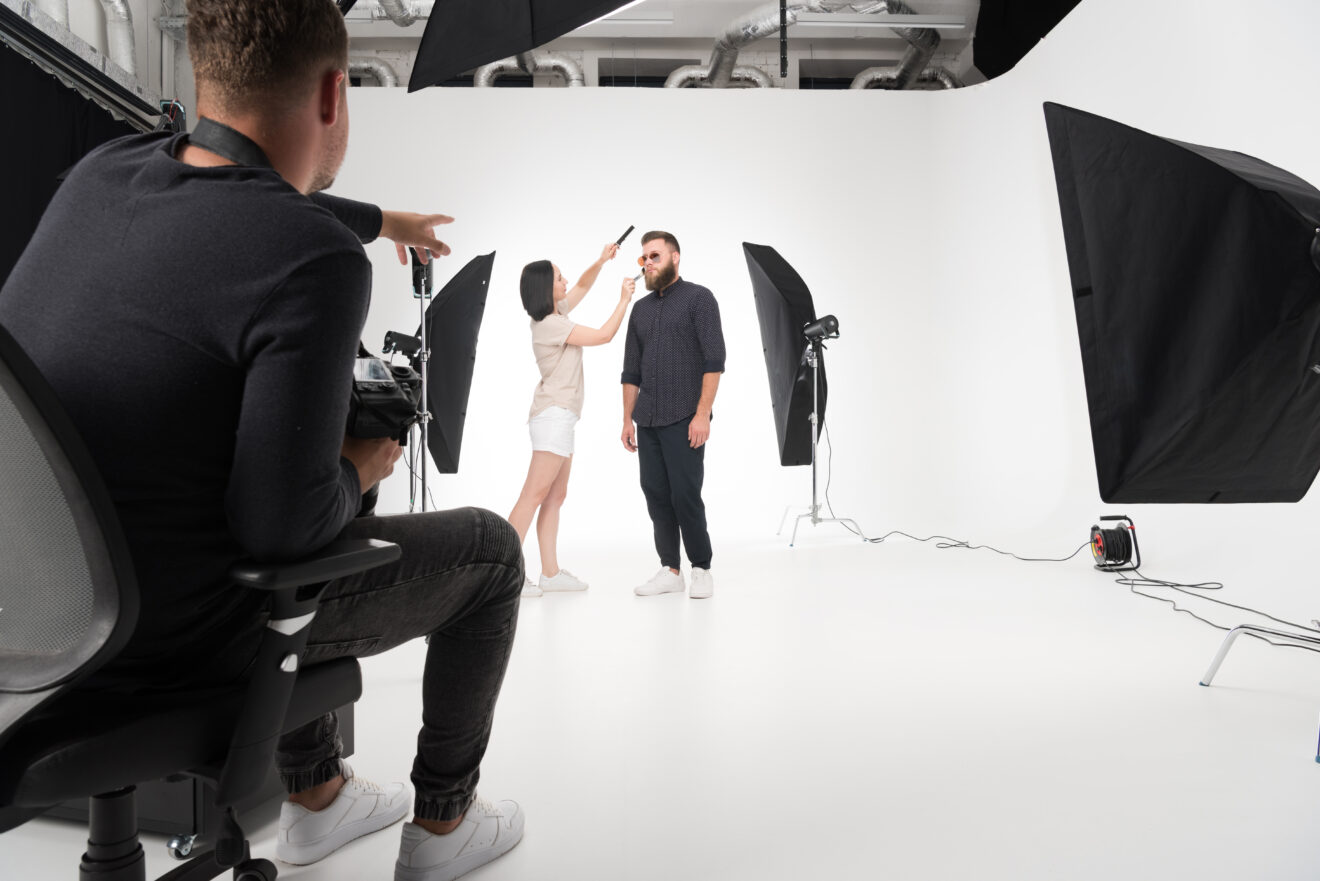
841,711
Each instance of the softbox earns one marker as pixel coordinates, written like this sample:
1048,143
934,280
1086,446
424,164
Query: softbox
1198,312
453,321
463,34
784,307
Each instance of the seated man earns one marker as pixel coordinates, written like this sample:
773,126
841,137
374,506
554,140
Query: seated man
198,315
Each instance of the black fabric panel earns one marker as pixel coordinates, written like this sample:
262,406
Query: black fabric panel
52,127
1198,314
463,34
783,307
1006,30
453,322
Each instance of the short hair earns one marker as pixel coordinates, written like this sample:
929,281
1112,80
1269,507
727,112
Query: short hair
661,234
538,289
252,53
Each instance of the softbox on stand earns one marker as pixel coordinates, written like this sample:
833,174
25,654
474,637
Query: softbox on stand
453,321
1197,294
783,307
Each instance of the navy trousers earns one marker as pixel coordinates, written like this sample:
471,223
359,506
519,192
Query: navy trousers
672,473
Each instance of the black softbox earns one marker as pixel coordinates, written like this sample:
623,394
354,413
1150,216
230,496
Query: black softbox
463,34
453,321
784,307
1198,309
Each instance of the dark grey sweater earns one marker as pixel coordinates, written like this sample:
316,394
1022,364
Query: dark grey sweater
200,326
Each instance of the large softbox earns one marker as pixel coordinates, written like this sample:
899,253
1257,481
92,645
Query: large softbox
784,307
1198,310
453,321
463,34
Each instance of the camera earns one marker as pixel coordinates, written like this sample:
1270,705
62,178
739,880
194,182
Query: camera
385,397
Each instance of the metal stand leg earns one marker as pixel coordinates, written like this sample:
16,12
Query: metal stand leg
1249,628
813,513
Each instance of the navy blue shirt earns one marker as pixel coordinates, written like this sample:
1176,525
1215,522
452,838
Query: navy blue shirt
674,339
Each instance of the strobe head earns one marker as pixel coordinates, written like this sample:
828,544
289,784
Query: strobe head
1115,548
826,328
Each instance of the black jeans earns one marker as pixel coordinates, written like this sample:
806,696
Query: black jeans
672,474
458,581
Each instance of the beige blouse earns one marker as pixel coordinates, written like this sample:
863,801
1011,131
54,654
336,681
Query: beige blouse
560,365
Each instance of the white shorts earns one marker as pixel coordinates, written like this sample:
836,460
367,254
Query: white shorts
552,430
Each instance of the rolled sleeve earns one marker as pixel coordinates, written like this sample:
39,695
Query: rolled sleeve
710,333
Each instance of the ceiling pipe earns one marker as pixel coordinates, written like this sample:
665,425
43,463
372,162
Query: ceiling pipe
119,34
690,75
764,22
531,63
887,78
398,12
374,67
56,9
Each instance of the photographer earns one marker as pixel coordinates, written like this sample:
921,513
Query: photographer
198,315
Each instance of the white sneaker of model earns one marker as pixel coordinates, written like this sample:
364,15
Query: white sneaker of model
362,807
530,588
663,581
562,580
488,831
703,585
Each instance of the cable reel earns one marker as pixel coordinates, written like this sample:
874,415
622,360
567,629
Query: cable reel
1115,549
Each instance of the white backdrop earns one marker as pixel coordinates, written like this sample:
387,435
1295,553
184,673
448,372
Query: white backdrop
927,222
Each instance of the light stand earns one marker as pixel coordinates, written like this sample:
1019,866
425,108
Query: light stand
422,284
816,333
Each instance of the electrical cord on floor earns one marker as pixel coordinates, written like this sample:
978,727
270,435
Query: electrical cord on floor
942,542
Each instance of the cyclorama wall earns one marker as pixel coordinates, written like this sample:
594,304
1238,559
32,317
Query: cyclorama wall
927,222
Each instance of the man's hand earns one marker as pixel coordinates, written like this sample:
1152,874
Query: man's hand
629,437
417,231
373,458
698,430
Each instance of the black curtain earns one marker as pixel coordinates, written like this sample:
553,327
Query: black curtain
50,128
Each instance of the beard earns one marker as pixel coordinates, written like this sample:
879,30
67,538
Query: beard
662,279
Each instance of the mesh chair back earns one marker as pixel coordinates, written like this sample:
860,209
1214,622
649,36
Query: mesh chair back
68,599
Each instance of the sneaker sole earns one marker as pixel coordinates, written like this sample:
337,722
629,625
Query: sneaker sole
455,868
656,593
306,853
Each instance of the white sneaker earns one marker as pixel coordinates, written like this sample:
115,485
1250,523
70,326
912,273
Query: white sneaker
703,585
663,581
487,831
563,580
530,588
360,808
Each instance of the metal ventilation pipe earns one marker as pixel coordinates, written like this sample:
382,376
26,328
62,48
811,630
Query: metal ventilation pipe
696,74
887,78
374,67
398,12
764,22
119,34
532,63
56,9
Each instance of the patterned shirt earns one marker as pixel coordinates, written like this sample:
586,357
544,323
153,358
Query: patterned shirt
674,339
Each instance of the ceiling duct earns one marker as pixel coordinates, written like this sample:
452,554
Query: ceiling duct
764,22
374,67
56,9
533,63
697,74
119,34
887,78
398,11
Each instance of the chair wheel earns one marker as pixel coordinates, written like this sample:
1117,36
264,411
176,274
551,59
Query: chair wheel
180,846
255,870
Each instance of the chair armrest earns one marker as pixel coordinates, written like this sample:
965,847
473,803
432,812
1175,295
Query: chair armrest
333,561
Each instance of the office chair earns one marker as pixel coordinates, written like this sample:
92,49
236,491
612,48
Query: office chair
68,604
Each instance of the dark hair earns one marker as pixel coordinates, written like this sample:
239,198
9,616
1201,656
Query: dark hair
252,53
538,289
661,234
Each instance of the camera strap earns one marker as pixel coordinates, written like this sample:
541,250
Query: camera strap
224,141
